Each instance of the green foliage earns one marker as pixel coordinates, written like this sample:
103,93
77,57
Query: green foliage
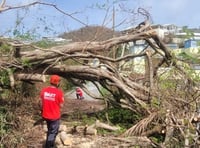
172,78
19,30
5,49
4,127
168,85
66,85
24,36
189,33
157,138
28,90
13,105
198,43
123,117
4,78
155,103
88,120
45,44
26,63
189,56
190,72
193,74
105,92
25,33
165,82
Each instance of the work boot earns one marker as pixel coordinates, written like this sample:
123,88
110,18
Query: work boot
49,144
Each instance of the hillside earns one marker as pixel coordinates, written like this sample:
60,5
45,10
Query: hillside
90,33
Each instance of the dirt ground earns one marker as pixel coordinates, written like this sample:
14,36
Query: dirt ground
72,105
35,135
29,128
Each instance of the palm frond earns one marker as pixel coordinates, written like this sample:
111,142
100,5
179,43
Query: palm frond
141,126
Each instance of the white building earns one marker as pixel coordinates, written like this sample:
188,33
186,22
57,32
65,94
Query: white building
166,29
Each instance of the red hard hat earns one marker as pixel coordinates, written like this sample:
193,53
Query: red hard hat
55,79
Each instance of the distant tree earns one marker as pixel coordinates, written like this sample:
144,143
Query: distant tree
189,33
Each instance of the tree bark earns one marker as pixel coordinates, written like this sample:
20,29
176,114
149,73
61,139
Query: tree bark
66,140
99,124
30,77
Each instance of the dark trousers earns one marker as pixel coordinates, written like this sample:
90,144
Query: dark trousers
53,127
79,97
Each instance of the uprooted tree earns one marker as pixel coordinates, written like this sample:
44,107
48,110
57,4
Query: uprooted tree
167,100
165,93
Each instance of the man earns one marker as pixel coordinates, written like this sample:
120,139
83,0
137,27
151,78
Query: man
79,93
52,100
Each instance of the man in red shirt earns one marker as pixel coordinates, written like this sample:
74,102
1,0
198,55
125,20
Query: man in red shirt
79,93
52,100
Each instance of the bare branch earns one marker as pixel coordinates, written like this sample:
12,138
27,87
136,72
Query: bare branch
3,9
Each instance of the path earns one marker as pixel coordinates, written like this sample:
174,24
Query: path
90,87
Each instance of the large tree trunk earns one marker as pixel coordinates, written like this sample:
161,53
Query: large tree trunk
50,61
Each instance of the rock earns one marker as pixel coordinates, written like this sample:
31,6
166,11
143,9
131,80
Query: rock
44,127
58,140
62,128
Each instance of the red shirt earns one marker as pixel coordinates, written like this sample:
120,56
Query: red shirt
79,92
51,98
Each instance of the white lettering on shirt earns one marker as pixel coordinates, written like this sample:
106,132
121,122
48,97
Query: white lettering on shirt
49,96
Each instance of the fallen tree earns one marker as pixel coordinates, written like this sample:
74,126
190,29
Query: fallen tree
53,60
80,62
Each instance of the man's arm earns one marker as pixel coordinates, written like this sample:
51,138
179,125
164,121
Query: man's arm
61,105
40,101
40,105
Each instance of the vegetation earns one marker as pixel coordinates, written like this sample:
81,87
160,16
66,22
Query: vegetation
119,116
159,104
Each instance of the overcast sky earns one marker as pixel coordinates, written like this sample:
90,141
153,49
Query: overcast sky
48,21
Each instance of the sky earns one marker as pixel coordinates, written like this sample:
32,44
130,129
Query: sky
43,20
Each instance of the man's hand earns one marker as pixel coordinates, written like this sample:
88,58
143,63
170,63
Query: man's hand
61,106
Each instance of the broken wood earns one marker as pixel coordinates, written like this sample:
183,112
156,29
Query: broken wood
30,77
99,124
156,130
90,130
58,140
196,119
65,138
133,141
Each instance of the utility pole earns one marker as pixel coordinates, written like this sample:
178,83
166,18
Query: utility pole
113,21
113,28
